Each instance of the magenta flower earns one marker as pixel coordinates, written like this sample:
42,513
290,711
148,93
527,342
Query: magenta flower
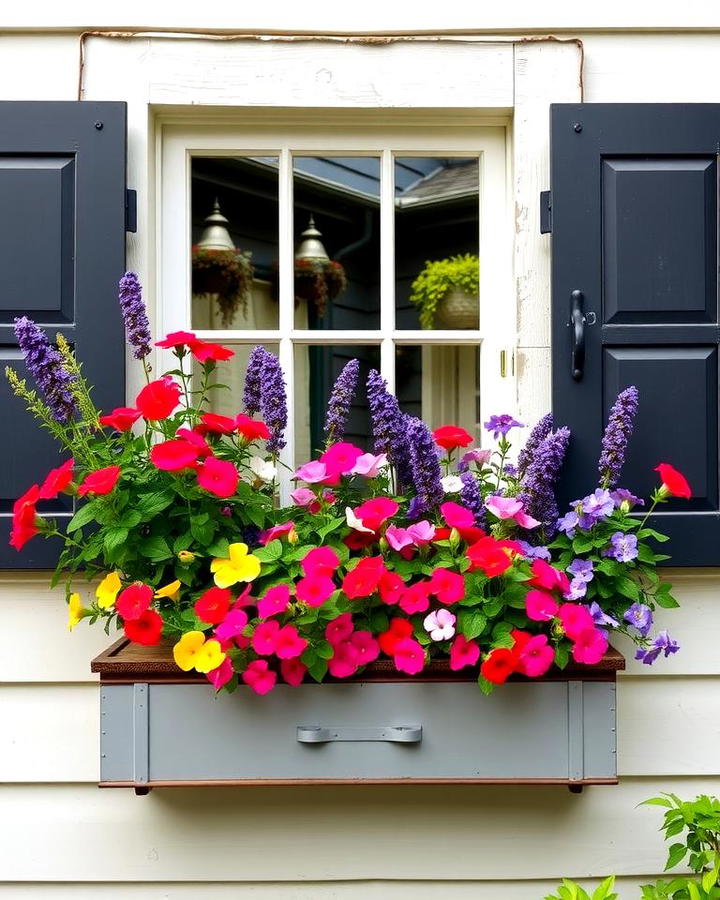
510,508
374,513
259,676
344,661
314,590
288,643
409,656
398,538
540,606
366,647
277,531
312,472
448,587
369,465
421,532
303,496
339,629
575,620
232,625
457,516
263,639
292,671
536,656
477,455
219,677
340,459
275,601
590,646
320,561
463,653
440,625
415,599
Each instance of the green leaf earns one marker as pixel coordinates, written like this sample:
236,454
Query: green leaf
334,523
149,505
114,537
182,542
487,687
324,650
471,623
85,514
667,601
650,532
155,548
256,514
675,855
219,548
657,801
318,669
627,587
602,891
270,552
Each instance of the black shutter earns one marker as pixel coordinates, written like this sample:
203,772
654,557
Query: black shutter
62,251
635,231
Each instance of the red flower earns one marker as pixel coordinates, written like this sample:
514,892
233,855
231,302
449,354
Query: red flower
416,598
251,429
213,605
217,424
101,481
157,400
170,456
391,588
499,665
451,436
673,481
24,515
56,480
490,555
356,540
134,600
177,339
398,630
121,419
463,653
373,513
364,578
196,439
146,629
218,476
549,578
205,350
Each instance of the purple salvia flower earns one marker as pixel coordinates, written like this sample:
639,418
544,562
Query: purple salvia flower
623,547
341,398
45,364
639,616
617,432
471,498
538,483
137,327
535,438
389,428
253,377
500,425
426,471
273,401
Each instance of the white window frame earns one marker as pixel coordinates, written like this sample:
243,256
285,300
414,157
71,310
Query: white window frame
402,134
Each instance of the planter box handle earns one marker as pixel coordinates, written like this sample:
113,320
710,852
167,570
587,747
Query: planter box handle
396,734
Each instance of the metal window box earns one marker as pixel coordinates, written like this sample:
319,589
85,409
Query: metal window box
162,727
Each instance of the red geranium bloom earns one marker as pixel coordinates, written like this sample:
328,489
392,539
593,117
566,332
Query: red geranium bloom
217,424
218,476
102,481
121,419
490,555
157,400
673,481
171,456
451,436
56,480
364,578
134,600
399,629
146,629
24,515
499,665
177,339
213,605
205,350
251,429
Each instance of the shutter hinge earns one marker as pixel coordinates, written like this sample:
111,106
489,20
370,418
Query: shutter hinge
545,212
131,211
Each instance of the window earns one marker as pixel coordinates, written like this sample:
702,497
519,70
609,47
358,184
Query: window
381,194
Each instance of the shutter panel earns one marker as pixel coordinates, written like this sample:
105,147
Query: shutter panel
62,251
635,230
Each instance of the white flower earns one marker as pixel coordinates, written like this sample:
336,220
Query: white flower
440,625
263,468
354,522
452,484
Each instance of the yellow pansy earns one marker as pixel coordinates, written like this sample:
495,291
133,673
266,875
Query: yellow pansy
192,651
170,590
186,557
240,566
107,590
76,611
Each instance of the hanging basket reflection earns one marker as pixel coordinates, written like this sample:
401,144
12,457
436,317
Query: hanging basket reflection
226,273
319,282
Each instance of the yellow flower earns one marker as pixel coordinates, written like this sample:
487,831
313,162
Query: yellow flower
170,590
186,557
241,566
76,611
192,651
107,590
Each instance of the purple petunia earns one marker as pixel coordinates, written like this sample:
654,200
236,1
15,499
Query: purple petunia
616,435
45,364
137,327
600,617
594,508
389,428
537,435
530,552
623,547
662,643
538,483
426,471
253,377
639,616
341,398
500,425
625,499
582,569
568,523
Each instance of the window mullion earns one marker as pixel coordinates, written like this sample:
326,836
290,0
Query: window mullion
286,312
387,268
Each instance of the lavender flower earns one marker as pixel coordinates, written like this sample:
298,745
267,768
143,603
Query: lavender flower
45,364
625,500
273,402
569,522
341,397
600,618
594,508
471,498
426,472
617,432
582,569
253,377
137,327
500,425
538,483
389,428
623,547
663,643
578,589
530,552
639,616
535,438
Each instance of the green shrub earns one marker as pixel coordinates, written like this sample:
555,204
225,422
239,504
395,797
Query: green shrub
440,276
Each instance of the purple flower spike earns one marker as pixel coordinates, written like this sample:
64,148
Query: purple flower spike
137,327
471,498
253,377
535,438
426,471
389,428
341,397
46,367
500,425
539,481
273,402
618,431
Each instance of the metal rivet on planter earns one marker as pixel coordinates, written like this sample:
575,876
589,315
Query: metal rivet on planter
99,126
576,127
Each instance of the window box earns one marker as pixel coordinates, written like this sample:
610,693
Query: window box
160,728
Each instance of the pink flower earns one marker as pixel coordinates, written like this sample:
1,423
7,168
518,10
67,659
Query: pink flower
440,625
590,646
476,455
536,656
232,625
575,619
275,601
355,523
340,458
373,513
463,653
391,588
510,508
457,516
339,629
312,472
288,643
292,671
303,497
415,599
369,465
218,476
344,662
320,561
314,589
366,646
540,606
398,537
364,579
220,676
263,639
421,532
259,676
448,587
409,656
277,531
545,576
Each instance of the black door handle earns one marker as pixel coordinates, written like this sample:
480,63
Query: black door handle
577,323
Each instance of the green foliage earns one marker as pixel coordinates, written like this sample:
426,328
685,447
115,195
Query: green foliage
437,278
569,890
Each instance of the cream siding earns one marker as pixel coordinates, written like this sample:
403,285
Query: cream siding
61,837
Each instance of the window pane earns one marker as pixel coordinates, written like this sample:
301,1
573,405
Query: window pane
436,218
440,385
316,369
228,400
234,208
337,242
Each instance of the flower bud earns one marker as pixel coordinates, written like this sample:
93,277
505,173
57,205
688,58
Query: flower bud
292,536
186,557
454,539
